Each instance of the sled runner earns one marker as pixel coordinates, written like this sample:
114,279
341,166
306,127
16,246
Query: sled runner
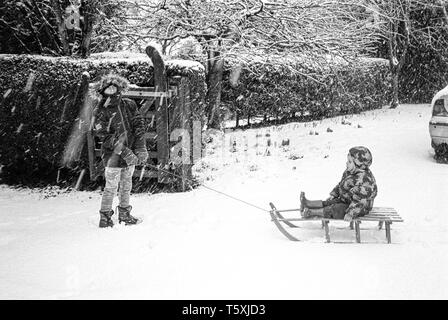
383,215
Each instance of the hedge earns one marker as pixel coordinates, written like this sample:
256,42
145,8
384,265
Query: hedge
310,92
39,106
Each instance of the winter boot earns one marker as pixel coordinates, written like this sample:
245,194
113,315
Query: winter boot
124,215
311,204
308,213
106,219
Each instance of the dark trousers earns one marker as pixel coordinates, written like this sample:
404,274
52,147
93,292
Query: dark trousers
334,209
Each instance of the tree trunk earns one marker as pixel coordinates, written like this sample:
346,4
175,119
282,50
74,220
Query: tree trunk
51,34
214,83
62,31
395,89
397,60
87,29
237,120
165,45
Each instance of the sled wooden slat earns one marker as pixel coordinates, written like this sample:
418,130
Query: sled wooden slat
383,212
397,219
374,219
375,210
381,215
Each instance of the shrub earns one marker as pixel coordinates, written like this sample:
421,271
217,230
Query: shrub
41,101
313,92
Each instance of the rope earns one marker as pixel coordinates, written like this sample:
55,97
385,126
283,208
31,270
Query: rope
207,187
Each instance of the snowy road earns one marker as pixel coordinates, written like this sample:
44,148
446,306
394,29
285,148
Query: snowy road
202,245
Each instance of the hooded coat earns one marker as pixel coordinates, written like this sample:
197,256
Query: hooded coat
118,123
357,187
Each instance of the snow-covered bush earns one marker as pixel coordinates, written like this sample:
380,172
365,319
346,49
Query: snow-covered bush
40,102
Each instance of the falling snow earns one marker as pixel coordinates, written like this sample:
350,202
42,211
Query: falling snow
6,94
202,245
30,81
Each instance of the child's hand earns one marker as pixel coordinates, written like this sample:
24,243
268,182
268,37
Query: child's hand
347,218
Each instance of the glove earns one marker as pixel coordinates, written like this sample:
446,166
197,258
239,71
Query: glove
128,156
142,155
348,217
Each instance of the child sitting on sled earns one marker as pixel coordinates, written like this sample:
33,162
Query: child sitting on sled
354,194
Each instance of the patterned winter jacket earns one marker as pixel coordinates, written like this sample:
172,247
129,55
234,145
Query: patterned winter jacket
358,187
119,122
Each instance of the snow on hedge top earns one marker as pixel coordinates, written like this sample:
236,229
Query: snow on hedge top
189,64
292,63
111,57
138,57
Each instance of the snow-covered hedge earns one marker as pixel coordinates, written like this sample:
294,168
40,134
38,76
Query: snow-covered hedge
39,105
309,90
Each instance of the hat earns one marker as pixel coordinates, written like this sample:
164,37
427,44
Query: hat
362,157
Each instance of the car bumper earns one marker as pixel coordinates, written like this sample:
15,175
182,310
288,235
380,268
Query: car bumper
438,132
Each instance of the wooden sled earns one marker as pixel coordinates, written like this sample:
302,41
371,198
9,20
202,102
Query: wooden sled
383,215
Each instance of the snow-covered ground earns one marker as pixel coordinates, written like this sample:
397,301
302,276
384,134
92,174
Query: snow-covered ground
203,245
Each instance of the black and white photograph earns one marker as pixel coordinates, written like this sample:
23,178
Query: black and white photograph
223,150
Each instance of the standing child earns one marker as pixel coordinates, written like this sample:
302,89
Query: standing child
354,194
121,129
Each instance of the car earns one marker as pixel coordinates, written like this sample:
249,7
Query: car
438,125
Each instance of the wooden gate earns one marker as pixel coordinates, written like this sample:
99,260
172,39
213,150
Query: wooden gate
164,107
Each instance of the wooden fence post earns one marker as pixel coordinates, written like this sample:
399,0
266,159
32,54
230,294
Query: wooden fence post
186,123
160,83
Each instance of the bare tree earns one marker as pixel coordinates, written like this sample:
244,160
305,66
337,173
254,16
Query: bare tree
252,28
398,30
28,27
62,30
81,20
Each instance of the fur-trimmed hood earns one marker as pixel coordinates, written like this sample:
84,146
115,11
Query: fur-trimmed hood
120,82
